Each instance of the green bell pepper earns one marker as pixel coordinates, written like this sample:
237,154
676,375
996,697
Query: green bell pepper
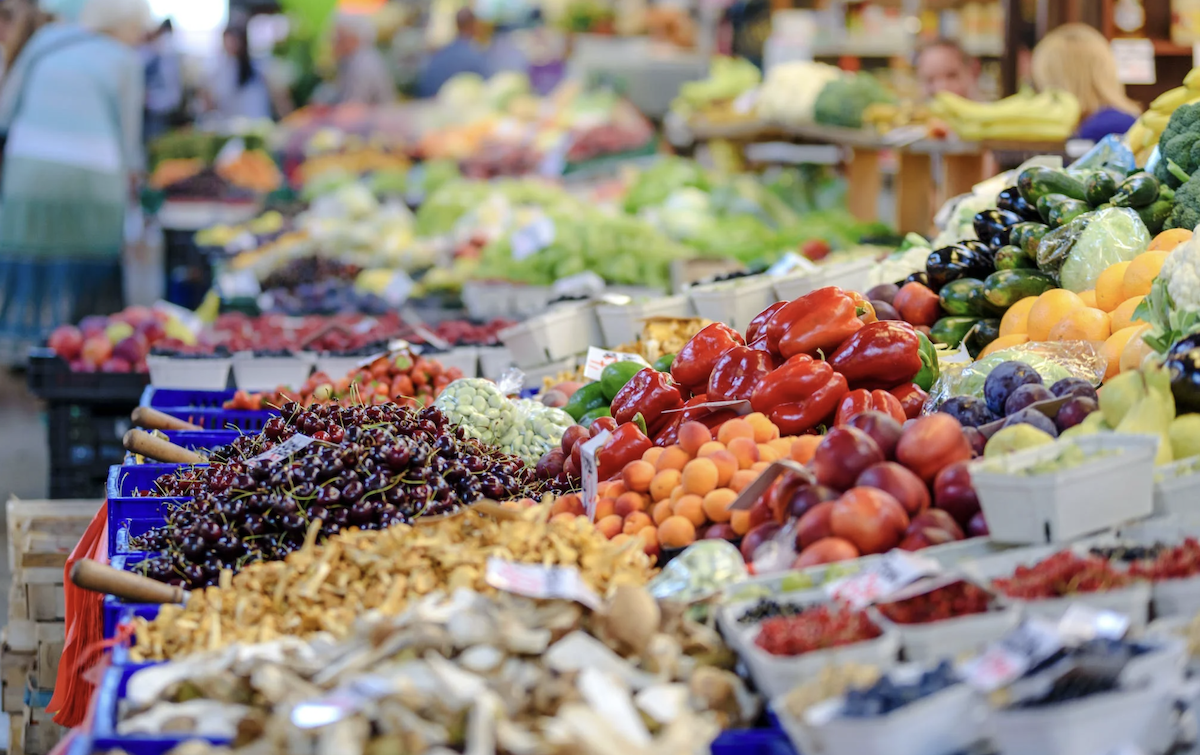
929,363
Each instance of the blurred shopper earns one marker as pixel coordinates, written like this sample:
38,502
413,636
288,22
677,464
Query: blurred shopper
71,109
1076,58
363,75
943,66
504,53
164,82
237,87
460,56
19,19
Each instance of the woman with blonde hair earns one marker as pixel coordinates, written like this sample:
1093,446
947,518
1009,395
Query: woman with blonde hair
71,113
1076,58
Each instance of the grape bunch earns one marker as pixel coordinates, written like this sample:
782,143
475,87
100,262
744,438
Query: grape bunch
368,467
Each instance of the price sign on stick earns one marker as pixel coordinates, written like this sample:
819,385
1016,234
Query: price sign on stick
886,576
541,582
284,450
598,359
1018,651
589,470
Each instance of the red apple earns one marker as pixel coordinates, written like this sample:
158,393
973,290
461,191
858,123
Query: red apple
814,525
116,364
137,315
908,489
978,526
131,349
754,539
760,513
882,427
782,491
871,519
66,341
952,491
815,249
96,349
722,531
938,519
932,443
843,455
924,538
827,550
808,497
93,325
153,331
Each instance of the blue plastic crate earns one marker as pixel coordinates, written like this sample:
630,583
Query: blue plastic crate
113,609
194,440
752,742
203,408
104,723
161,398
130,515
124,481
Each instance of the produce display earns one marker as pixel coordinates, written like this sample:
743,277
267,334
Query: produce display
816,628
1062,574
957,599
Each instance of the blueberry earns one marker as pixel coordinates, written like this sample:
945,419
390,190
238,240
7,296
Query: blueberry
1032,417
1003,380
1024,395
968,410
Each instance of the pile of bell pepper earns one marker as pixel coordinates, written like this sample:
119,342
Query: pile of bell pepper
805,363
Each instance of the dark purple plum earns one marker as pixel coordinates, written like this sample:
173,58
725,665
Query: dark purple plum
884,292
977,440
1024,395
1032,417
1073,386
1074,411
885,311
968,410
1005,378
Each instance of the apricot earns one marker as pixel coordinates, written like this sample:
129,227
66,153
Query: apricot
649,537
716,504
710,448
616,488
766,453
652,455
605,507
760,466
676,532
563,517
745,450
677,492
693,436
629,503
636,521
782,446
735,428
570,503
764,429
805,447
727,465
610,526
691,508
637,475
740,521
661,511
663,483
741,479
700,476
673,457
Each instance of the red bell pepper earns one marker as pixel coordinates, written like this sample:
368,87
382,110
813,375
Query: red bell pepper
737,373
912,398
628,443
757,326
694,362
648,393
880,355
800,394
693,411
862,400
819,321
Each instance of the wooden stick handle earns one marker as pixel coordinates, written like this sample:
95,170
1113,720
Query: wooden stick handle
142,442
133,588
153,419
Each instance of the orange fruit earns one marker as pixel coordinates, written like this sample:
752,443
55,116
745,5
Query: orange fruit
1168,240
716,504
676,532
1004,342
1122,316
1142,272
1049,308
1135,350
1016,319
1085,324
1111,351
1110,286
1089,297
700,476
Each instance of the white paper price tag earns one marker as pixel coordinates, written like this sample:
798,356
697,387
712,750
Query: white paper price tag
892,572
532,238
398,289
1135,61
589,470
598,359
791,263
238,284
1081,623
542,582
285,449
1029,644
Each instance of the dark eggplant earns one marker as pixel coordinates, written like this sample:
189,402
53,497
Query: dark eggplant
954,262
1183,361
993,226
918,277
1011,200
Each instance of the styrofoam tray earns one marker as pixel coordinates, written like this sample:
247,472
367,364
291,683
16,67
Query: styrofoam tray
1064,505
487,300
465,358
528,342
1177,493
535,375
336,366
734,302
529,300
622,323
494,361
1176,597
952,638
739,635
190,374
1099,723
943,723
251,373
571,329
777,674
794,285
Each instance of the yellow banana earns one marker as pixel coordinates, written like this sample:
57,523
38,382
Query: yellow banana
1171,99
1192,80
1155,121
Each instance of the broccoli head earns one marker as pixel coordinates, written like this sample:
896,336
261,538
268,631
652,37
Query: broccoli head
1186,213
843,100
1179,147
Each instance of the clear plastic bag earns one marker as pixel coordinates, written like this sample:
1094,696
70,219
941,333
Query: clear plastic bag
703,570
1053,361
1106,237
1110,153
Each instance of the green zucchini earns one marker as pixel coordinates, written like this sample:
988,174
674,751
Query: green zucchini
1139,190
1100,186
1156,215
981,307
980,335
956,296
1027,235
1013,257
1005,288
1058,209
952,330
1038,181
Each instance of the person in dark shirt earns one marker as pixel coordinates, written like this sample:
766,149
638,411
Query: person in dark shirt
1076,58
463,55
